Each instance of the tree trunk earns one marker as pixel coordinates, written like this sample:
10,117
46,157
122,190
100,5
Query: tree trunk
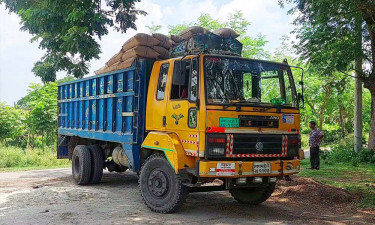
327,90
357,109
342,119
371,139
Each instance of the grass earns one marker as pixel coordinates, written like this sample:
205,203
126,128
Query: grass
14,158
356,179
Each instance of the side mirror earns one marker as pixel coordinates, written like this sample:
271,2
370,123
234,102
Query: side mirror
301,99
198,102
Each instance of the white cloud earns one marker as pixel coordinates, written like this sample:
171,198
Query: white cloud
17,56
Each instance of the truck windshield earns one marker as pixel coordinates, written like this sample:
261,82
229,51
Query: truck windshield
231,80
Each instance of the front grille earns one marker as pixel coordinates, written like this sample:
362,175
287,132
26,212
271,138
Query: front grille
259,121
246,144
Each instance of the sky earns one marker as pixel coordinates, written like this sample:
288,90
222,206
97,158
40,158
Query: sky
18,54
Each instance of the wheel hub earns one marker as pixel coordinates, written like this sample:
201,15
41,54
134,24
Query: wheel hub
157,183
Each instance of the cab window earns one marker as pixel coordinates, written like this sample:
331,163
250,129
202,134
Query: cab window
193,88
180,80
162,81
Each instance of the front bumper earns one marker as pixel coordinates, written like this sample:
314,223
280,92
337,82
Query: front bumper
245,169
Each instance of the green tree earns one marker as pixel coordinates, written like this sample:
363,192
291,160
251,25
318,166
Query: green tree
253,47
329,99
41,102
335,35
67,30
154,28
11,124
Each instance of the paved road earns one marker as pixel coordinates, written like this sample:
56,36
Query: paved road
51,197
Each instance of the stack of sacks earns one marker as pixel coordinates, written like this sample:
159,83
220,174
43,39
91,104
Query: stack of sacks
141,45
164,45
187,34
226,33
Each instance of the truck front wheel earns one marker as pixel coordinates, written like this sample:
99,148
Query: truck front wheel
160,186
81,164
253,195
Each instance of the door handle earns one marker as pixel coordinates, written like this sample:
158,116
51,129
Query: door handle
164,121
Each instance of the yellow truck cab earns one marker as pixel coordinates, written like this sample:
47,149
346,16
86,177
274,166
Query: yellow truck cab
220,117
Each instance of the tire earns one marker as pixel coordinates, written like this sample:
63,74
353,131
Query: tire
81,164
97,164
253,195
160,186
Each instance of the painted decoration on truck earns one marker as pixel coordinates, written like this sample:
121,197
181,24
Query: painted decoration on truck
177,117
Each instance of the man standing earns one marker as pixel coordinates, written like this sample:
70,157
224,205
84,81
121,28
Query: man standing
314,141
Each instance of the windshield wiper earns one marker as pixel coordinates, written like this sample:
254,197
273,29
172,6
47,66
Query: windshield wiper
264,109
229,105
237,104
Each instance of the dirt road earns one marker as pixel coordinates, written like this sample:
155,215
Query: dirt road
51,197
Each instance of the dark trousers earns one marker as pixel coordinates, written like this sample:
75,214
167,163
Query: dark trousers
314,157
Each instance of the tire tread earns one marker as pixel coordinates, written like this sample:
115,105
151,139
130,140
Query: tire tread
97,164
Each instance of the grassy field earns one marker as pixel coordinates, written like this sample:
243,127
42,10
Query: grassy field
356,179
13,158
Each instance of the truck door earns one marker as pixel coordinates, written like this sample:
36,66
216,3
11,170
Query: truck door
182,114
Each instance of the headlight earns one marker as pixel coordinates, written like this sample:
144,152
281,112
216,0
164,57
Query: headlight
216,151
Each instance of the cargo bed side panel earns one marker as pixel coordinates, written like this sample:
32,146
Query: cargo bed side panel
108,107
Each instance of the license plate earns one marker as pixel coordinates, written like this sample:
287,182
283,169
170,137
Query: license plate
261,168
225,169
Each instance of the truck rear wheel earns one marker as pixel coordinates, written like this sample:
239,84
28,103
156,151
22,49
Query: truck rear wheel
81,164
160,186
97,161
253,195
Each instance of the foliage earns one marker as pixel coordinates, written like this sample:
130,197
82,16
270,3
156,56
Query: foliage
153,28
41,102
11,124
342,151
334,36
329,99
253,47
67,30
32,122
18,157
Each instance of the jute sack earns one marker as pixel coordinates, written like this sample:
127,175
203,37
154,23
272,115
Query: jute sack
141,51
226,33
164,40
100,70
176,39
115,58
140,39
191,31
111,68
163,52
125,64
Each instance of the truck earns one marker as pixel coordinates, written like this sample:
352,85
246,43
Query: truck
200,122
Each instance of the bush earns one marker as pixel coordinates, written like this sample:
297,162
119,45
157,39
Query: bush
17,157
342,153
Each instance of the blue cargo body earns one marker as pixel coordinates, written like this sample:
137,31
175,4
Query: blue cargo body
107,107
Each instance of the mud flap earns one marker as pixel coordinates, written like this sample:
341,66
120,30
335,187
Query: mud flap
62,147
